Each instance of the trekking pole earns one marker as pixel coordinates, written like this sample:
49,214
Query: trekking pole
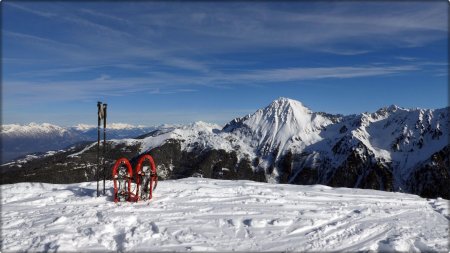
99,107
104,146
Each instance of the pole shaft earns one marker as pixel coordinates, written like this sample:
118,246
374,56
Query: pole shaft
104,147
98,148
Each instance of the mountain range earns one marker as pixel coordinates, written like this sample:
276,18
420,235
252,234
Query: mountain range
392,149
19,140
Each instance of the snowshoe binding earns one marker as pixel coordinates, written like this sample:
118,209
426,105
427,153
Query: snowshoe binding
122,175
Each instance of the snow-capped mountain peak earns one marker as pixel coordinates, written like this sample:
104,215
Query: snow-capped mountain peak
283,124
285,104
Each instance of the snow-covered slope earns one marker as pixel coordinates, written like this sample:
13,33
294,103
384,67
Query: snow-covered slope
196,214
18,140
402,136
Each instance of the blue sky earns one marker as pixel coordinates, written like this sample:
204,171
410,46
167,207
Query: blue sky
179,62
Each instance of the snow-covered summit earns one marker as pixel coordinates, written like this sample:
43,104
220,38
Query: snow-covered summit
284,103
384,111
281,124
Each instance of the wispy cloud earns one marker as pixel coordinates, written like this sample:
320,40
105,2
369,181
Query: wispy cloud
297,74
405,58
158,91
338,51
31,10
32,39
37,91
105,16
101,44
343,24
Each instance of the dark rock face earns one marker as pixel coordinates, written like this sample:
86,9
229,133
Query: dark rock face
173,163
285,167
432,177
306,176
361,170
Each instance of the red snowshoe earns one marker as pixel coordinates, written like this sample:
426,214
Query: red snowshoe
146,179
122,175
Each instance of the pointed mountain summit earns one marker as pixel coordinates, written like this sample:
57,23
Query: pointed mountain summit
280,125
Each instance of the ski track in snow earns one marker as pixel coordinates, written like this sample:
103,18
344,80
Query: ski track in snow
197,214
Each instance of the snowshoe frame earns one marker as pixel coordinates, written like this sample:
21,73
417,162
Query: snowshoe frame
146,181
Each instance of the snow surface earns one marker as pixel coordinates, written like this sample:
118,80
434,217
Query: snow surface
196,214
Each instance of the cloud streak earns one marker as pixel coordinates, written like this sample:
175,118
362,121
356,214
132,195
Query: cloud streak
162,83
298,74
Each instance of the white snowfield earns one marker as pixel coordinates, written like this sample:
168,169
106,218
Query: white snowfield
197,214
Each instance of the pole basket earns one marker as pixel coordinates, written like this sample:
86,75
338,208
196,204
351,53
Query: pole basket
146,179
